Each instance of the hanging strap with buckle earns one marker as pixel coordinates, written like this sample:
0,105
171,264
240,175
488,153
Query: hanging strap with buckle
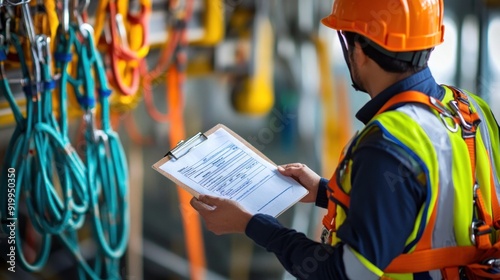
481,226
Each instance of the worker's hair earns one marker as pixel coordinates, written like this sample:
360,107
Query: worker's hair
385,62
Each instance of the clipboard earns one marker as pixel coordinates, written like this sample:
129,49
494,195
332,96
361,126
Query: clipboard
185,146
230,167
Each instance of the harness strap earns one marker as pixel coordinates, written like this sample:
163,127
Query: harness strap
339,195
450,273
413,97
469,121
433,259
329,223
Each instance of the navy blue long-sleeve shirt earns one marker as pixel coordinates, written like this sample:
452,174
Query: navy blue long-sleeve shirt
383,208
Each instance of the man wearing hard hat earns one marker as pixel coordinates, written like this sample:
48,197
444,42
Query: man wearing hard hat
415,195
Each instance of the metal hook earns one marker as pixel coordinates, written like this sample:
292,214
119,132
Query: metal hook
81,8
87,27
7,30
39,47
28,23
43,47
78,12
456,110
22,2
65,15
121,30
30,31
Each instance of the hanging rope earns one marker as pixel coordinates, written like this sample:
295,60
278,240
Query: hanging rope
124,35
45,161
169,54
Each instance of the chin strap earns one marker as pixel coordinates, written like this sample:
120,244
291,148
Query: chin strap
343,43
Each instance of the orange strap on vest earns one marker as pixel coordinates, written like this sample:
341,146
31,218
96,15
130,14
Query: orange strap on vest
434,259
334,192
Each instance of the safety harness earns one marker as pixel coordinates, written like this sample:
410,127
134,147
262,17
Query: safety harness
480,261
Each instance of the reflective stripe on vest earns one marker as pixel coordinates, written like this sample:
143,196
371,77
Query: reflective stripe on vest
357,269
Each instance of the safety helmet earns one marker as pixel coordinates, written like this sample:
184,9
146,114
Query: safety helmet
395,25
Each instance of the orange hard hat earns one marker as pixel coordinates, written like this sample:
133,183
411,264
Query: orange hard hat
395,25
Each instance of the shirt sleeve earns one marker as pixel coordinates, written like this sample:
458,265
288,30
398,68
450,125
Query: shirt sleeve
299,255
321,196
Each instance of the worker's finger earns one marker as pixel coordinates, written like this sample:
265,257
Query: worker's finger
292,169
210,200
199,205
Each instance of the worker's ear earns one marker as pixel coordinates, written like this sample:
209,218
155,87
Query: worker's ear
359,56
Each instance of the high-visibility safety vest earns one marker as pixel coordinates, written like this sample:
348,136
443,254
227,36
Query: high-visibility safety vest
457,147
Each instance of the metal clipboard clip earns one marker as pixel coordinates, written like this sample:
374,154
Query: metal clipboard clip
184,147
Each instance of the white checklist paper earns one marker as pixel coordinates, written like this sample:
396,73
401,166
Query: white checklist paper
223,166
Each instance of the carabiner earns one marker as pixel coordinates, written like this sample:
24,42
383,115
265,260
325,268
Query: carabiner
494,263
452,129
444,113
326,235
9,3
89,119
472,230
28,22
8,36
42,45
65,15
456,110
440,107
475,188
121,30
89,29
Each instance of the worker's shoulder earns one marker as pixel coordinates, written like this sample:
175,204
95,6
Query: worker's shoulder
376,143
376,138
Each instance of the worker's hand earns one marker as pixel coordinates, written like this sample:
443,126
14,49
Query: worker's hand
305,176
221,215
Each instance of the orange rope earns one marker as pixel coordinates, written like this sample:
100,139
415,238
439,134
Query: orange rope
190,218
178,36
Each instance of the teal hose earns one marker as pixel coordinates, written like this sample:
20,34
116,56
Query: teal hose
106,169
111,173
22,143
93,189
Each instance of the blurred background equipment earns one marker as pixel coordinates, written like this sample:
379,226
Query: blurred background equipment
92,93
251,45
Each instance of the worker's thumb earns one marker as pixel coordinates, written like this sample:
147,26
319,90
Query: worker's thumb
291,170
284,171
209,200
